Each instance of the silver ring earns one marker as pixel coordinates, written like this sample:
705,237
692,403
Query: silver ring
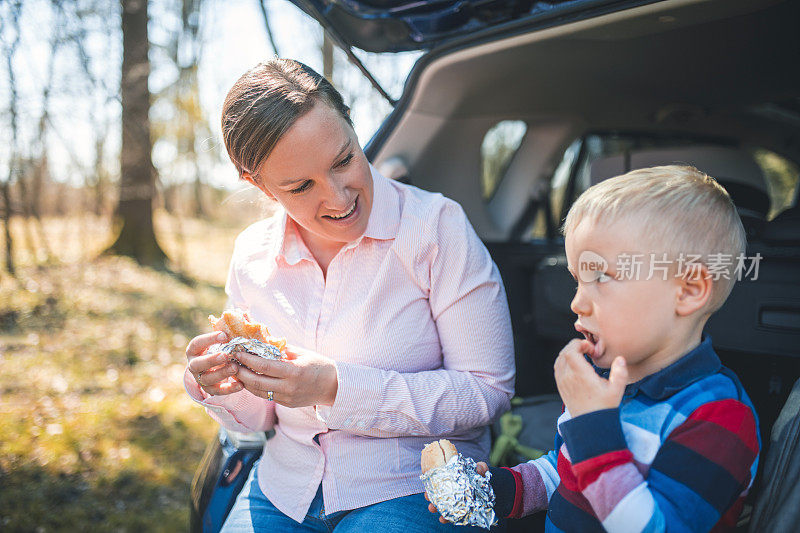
269,395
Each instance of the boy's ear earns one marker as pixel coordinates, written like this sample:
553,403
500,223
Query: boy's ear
694,290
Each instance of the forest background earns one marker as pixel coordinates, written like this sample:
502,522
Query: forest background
110,264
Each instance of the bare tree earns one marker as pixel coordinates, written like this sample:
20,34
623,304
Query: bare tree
268,27
190,17
137,180
32,195
187,124
98,178
327,56
9,49
191,113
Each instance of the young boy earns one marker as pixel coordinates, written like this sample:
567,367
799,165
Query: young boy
656,434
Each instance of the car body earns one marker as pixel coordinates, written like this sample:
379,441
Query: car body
515,108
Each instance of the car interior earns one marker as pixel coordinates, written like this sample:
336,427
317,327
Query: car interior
515,121
713,84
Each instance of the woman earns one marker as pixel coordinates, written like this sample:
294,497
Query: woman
396,315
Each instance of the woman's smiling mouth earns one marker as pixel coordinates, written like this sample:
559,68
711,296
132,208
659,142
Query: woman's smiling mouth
344,215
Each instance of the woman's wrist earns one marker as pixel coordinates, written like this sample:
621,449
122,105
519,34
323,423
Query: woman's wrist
331,380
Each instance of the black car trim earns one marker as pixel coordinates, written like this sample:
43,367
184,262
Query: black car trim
536,22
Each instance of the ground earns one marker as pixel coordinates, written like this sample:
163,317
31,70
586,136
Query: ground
96,431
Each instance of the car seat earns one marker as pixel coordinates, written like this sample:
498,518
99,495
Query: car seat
734,169
757,331
777,508
784,229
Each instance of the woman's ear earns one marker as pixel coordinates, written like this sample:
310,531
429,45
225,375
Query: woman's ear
694,290
246,176
252,180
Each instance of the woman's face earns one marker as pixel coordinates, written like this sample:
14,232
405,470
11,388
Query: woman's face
319,174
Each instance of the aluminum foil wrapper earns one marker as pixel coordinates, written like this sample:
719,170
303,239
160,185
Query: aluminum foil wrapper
253,346
461,495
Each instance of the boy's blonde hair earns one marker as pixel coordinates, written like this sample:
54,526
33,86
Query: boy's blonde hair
677,208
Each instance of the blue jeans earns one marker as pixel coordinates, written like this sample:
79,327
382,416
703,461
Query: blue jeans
408,514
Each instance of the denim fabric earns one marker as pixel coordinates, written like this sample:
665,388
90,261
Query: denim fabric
409,514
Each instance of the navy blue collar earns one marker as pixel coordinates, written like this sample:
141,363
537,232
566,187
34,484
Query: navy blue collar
695,365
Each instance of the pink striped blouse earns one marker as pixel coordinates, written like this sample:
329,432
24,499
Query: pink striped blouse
415,316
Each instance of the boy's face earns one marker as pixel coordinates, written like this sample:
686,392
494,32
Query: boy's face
620,312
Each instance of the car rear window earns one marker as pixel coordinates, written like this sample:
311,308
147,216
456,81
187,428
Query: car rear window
574,174
782,179
499,145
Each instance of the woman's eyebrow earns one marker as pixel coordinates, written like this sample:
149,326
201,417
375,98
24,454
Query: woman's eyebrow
291,181
343,149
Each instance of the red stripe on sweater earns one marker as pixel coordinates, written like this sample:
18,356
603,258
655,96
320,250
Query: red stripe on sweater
718,445
734,416
516,511
565,473
589,470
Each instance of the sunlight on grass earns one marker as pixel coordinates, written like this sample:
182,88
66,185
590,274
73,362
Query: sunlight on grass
97,431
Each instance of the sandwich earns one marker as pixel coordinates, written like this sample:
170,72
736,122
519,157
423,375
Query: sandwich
436,454
237,323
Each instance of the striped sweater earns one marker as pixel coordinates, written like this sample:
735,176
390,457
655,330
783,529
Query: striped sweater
679,454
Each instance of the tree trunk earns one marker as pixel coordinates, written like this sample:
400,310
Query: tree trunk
40,171
41,174
26,204
13,159
137,181
7,225
190,15
100,176
327,56
268,27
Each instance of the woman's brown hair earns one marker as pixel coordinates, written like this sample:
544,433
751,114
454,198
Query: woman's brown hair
264,103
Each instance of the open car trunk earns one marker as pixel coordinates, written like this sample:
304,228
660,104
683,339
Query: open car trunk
610,82
719,73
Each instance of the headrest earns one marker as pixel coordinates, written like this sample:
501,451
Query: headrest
734,169
784,229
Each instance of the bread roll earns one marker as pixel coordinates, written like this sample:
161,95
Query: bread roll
436,454
236,323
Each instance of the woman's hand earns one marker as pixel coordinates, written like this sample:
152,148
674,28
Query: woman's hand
304,378
480,467
212,371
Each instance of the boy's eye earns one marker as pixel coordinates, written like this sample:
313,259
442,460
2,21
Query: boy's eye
344,162
602,277
304,186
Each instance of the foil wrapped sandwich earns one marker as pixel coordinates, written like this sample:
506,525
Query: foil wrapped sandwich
460,494
246,335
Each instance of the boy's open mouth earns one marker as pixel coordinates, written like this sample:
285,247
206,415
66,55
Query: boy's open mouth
598,348
591,337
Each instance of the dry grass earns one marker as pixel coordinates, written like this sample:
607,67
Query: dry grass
96,431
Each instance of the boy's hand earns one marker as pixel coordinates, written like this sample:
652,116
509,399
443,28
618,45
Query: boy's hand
581,389
481,468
